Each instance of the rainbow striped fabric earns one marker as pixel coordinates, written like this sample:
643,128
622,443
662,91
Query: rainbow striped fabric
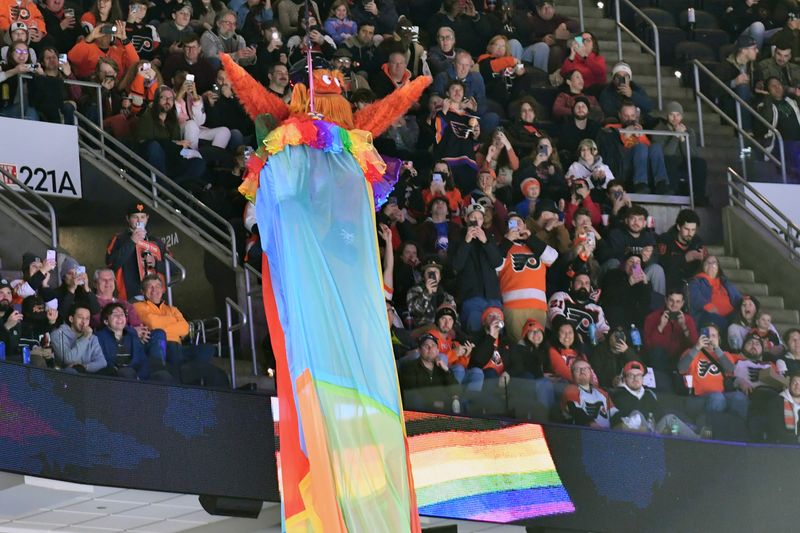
484,470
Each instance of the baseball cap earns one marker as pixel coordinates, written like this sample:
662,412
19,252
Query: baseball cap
4,283
745,40
426,337
489,310
137,207
446,310
472,207
633,365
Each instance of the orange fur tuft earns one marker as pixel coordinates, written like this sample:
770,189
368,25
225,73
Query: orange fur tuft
255,98
378,116
335,108
299,102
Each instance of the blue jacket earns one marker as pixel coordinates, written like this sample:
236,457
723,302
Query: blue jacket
700,294
474,86
108,343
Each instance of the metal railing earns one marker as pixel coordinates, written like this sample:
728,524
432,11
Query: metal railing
698,67
656,44
168,262
231,328
96,86
129,170
200,331
33,212
686,138
250,292
743,195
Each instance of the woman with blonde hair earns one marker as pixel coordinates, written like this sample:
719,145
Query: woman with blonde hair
502,73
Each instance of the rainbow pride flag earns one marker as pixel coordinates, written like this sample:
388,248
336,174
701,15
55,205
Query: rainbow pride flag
483,470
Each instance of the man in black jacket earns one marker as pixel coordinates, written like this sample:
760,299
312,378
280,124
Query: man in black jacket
627,296
639,408
475,259
681,249
427,383
10,318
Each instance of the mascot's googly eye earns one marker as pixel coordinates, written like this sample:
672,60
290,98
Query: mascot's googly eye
337,82
326,79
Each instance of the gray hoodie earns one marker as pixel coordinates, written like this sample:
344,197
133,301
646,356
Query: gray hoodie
70,349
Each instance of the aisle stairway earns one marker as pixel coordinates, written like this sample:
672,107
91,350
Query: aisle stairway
721,148
747,283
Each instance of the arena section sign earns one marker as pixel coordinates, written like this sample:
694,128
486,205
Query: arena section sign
41,155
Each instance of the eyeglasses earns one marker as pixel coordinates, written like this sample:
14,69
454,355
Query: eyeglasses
21,51
229,22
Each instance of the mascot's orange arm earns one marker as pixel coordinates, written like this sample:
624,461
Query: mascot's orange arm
378,116
255,98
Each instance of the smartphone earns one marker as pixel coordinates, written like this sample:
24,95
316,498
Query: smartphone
637,268
140,225
437,178
80,269
51,255
431,275
543,149
135,8
704,332
144,67
590,238
579,40
108,29
276,36
62,59
69,13
513,224
190,78
31,67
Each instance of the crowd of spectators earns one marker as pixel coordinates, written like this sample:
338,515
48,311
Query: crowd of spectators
119,325
520,276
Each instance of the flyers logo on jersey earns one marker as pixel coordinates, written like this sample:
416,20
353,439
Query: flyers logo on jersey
595,409
707,367
522,261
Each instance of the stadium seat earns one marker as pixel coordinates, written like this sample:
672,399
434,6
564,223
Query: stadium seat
669,37
715,39
702,20
688,50
715,7
661,17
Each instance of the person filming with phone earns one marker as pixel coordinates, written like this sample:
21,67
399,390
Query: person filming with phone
134,254
17,63
105,40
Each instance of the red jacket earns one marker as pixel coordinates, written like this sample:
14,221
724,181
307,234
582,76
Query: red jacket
592,67
594,211
672,339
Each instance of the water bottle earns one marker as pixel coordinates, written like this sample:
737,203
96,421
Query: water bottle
456,405
2,351
592,333
651,422
26,355
636,337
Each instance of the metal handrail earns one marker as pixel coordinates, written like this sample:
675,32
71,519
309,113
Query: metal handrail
29,198
686,138
737,185
67,81
250,292
736,124
170,260
215,228
231,329
655,53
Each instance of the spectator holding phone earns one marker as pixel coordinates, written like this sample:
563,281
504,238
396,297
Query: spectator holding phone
105,40
668,332
544,164
140,84
524,130
611,357
61,24
339,25
627,295
571,89
25,11
522,276
191,61
580,199
584,56
18,32
424,298
51,96
144,37
133,254
9,94
442,185
115,118
101,12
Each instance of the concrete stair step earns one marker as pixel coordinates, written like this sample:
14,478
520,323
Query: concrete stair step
753,289
771,302
741,276
728,262
786,316
244,374
783,327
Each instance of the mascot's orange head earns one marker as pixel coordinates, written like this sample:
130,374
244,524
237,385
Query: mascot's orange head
328,99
